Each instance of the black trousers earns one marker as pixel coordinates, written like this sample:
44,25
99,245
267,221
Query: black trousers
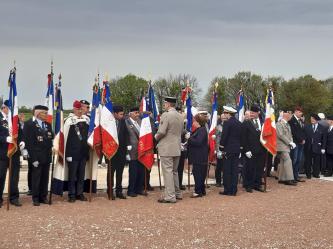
329,164
14,190
117,168
30,166
254,170
40,181
312,163
218,171
199,173
181,168
76,170
230,173
136,177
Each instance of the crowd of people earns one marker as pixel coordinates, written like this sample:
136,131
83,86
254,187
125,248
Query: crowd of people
301,148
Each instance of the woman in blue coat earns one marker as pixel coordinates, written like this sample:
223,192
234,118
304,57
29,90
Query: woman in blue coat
198,154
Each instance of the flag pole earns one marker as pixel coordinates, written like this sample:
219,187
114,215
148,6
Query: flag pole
265,171
53,152
159,170
145,181
110,184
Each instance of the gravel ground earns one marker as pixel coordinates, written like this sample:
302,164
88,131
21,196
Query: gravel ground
284,217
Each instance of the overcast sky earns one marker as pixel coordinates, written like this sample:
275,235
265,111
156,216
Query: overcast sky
205,38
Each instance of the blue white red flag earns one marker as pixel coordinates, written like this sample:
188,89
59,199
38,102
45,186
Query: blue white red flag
94,132
212,129
268,131
59,140
152,106
50,97
13,121
240,106
110,142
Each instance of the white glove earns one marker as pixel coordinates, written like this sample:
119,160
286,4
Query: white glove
213,137
182,148
129,147
128,158
248,154
9,139
187,135
22,145
322,151
35,164
69,159
240,155
292,145
24,153
219,154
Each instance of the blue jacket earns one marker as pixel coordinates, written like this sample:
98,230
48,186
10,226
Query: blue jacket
231,136
198,147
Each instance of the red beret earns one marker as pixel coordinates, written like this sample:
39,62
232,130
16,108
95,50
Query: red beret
77,104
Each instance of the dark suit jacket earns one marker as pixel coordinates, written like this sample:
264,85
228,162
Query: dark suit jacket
76,148
198,146
250,138
231,136
38,141
329,143
4,133
315,141
133,138
120,157
296,130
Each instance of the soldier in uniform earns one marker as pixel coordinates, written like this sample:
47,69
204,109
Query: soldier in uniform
329,148
76,152
38,135
5,139
168,137
230,146
136,169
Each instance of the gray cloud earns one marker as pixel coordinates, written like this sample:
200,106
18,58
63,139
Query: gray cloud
204,38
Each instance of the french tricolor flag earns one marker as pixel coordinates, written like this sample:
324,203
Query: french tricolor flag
110,141
50,98
59,140
240,106
13,113
212,129
146,145
94,133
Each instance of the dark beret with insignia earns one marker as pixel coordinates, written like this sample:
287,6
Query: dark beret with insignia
315,116
118,108
40,108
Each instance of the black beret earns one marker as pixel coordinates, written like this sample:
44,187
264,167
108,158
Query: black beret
134,109
255,108
315,116
118,108
170,99
41,107
6,103
84,102
329,117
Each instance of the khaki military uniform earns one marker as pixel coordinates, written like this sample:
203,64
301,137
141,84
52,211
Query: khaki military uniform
169,143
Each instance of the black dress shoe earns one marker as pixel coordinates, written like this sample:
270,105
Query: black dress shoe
300,180
309,177
249,190
328,175
142,193
179,198
16,203
150,188
223,193
182,187
45,201
260,189
165,201
316,176
71,199
120,196
81,198
195,195
132,194
290,183
36,203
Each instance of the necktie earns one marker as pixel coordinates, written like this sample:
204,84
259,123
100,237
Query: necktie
314,128
256,124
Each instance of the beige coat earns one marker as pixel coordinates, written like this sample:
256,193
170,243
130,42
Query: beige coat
284,136
169,133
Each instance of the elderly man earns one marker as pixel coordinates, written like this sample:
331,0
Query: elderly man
219,161
77,152
38,136
284,144
5,139
169,148
136,169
